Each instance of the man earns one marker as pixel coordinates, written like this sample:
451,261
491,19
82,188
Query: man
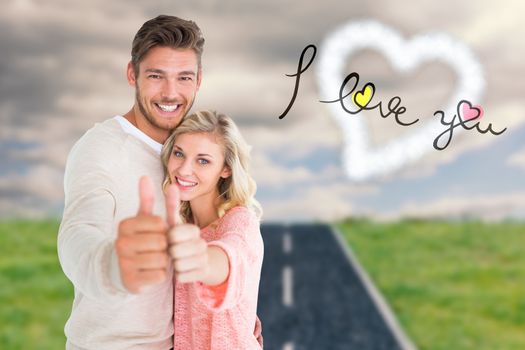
116,257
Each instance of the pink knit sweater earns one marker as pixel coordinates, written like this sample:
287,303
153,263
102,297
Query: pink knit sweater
223,317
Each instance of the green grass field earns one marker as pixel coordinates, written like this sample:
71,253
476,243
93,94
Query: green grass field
453,286
35,296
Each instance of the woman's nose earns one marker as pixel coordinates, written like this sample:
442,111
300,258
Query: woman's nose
185,167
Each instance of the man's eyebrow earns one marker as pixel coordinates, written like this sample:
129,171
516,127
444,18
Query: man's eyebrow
187,72
160,71
154,70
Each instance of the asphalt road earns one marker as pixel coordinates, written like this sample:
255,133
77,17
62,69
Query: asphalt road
311,297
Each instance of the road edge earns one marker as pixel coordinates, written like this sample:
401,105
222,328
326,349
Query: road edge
377,298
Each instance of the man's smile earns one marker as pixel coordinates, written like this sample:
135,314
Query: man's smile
167,107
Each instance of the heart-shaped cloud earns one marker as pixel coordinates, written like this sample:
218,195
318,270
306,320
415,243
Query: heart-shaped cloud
360,160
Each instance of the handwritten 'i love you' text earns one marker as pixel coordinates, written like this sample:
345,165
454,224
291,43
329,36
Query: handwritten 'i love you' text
467,115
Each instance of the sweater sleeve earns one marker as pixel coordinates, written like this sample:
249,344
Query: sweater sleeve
242,242
86,235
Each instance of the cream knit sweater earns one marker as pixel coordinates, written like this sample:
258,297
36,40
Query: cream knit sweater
101,189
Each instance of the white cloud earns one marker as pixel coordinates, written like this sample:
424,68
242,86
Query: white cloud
67,64
509,116
486,207
51,155
16,208
295,139
268,173
517,159
242,91
494,21
41,182
317,202
86,17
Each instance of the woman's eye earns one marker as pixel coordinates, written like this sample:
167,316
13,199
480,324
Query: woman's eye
203,161
177,154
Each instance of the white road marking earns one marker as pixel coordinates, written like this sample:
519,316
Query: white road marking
288,346
287,281
287,243
287,286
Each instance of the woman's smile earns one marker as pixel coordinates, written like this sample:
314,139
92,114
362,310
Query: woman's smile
184,185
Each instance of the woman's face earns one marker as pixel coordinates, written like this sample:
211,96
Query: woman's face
196,165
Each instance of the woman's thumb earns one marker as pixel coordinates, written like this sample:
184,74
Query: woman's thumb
173,206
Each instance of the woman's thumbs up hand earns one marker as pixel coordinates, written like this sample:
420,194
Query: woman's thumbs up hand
186,247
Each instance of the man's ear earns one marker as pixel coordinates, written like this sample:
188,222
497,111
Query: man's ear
199,78
226,172
130,73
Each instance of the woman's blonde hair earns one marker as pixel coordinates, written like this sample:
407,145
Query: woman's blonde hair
236,190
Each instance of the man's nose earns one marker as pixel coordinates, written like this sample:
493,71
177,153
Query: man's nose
170,90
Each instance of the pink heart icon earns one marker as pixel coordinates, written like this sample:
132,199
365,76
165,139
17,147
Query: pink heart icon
470,112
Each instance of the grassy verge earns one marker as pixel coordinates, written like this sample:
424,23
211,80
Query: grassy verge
35,296
453,286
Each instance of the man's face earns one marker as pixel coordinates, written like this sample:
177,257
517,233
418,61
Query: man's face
165,89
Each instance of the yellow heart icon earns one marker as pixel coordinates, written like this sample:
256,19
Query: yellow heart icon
363,97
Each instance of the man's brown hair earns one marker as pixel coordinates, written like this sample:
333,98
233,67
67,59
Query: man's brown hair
169,31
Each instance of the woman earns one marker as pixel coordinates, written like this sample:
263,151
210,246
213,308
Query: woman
218,266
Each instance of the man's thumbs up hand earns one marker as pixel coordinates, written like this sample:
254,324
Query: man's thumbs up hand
142,244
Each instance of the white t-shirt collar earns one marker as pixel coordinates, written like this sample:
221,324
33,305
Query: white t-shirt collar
134,131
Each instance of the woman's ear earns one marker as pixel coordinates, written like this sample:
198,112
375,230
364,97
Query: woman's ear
226,172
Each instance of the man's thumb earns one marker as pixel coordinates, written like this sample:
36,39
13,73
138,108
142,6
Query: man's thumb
146,196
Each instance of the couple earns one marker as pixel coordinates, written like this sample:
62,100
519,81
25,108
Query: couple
160,234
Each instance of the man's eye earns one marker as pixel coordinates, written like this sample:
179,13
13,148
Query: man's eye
186,78
203,161
154,76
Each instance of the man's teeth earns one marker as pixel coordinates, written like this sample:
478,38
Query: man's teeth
167,108
185,183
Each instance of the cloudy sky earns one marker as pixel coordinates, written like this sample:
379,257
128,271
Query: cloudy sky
63,65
